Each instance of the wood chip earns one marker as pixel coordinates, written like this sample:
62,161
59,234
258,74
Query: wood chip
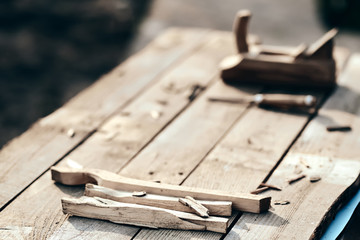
281,202
196,206
304,162
296,178
139,194
155,114
315,178
270,186
196,90
71,133
338,128
260,190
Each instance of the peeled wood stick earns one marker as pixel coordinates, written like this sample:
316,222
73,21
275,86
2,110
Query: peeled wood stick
217,208
241,201
139,215
195,205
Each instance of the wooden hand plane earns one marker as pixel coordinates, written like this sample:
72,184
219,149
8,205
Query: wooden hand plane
305,66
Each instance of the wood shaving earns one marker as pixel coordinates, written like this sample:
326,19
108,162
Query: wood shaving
281,202
139,194
71,133
315,178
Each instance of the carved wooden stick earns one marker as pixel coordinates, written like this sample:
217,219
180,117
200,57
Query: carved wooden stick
217,208
241,201
139,215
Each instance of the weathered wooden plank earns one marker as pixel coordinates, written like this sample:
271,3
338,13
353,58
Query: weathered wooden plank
244,158
175,152
117,142
334,156
99,157
200,119
23,159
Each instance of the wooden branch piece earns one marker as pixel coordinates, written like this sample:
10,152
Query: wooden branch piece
195,205
139,215
216,208
241,201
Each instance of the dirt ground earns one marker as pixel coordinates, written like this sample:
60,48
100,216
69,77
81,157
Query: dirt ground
50,53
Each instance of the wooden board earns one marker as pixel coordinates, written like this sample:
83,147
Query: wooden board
332,155
158,133
244,158
133,137
26,157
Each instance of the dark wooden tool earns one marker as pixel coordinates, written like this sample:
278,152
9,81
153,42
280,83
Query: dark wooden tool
304,66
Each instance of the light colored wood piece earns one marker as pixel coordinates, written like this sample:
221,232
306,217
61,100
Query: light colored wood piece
140,215
323,48
217,208
333,155
241,201
195,205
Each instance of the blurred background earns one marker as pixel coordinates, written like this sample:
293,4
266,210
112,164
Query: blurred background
51,50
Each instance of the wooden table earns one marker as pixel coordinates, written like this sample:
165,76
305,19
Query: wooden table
139,121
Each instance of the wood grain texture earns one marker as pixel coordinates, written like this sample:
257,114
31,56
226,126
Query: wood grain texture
216,208
244,158
134,126
174,153
23,159
240,201
140,215
334,156
36,213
